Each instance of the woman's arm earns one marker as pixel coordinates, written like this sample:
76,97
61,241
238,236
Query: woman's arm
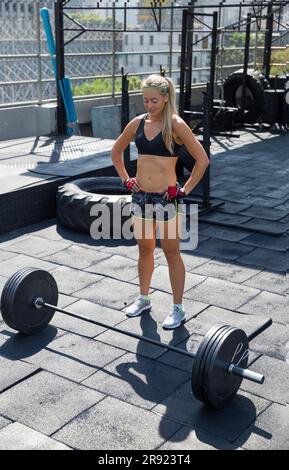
193,146
120,145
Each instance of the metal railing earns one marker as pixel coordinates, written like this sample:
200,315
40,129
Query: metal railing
36,83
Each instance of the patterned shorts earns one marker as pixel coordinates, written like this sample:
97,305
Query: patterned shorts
153,206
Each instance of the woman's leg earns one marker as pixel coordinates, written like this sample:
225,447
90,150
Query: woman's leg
170,243
145,235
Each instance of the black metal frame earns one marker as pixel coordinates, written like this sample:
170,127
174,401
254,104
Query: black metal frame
189,16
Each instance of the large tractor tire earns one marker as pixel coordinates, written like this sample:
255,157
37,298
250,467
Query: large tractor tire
78,202
256,84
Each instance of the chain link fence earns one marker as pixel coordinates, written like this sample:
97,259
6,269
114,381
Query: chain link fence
93,61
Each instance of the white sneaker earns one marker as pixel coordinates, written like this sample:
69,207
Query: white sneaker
137,307
175,318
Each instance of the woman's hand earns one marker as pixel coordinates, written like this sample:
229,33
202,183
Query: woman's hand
132,185
174,192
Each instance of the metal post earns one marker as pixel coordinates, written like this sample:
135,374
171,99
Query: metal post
245,69
125,112
59,36
39,68
171,42
207,143
183,64
213,57
268,42
113,51
189,61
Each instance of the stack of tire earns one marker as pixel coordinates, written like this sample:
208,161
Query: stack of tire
255,87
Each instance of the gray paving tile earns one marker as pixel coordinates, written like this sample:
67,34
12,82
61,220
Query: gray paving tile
190,258
285,219
74,357
271,228
16,436
70,280
88,310
65,300
53,231
18,346
216,315
37,246
195,439
233,272
284,206
113,424
233,207
12,265
57,232
117,267
4,255
279,193
270,431
259,240
221,293
230,196
4,422
128,250
162,304
137,380
265,202
3,281
149,325
13,372
10,238
276,385
267,303
223,218
231,235
109,292
184,407
272,282
77,257
266,213
272,342
267,259
223,249
161,280
46,402
61,363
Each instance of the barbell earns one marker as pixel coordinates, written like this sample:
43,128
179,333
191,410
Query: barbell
29,301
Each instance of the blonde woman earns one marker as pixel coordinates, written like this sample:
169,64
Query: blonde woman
158,134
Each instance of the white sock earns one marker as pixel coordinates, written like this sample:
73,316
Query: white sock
181,306
145,297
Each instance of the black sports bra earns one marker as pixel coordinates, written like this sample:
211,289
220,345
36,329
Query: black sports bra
155,146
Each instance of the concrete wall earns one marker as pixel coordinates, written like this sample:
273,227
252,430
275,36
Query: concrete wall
33,120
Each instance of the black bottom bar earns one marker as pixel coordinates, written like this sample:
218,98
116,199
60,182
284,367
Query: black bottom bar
118,330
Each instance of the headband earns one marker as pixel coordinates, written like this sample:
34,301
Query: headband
164,89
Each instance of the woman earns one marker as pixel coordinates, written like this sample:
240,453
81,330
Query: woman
158,135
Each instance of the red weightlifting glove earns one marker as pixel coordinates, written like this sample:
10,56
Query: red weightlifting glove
175,192
128,183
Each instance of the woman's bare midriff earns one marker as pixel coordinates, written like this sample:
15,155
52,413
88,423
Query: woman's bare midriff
156,173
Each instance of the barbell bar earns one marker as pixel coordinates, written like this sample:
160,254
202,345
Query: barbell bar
29,301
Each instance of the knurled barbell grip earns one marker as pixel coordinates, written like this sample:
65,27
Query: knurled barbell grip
233,369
